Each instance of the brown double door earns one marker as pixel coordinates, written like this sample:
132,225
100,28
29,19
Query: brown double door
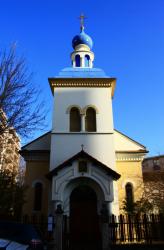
84,221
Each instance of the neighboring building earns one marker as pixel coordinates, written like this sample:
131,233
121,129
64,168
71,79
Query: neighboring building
153,176
83,164
9,148
154,164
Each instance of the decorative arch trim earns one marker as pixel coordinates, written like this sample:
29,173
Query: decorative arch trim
37,181
73,106
128,181
74,183
130,184
68,178
90,106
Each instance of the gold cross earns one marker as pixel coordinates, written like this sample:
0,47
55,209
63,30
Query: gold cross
82,17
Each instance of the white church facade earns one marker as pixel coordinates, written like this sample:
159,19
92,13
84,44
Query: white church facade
83,164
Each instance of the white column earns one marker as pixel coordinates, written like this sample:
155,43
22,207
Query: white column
82,62
82,122
90,63
74,64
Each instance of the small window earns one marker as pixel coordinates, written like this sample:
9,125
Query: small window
38,191
75,120
156,165
90,120
82,166
77,60
87,59
129,193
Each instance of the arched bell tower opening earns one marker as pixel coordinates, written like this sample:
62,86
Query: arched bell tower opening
84,219
87,60
77,60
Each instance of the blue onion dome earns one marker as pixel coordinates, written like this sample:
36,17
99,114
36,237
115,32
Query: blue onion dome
82,38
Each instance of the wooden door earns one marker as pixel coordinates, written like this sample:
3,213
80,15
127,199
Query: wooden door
84,221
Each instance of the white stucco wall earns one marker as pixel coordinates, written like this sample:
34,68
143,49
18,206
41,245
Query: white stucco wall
100,146
99,97
124,143
65,144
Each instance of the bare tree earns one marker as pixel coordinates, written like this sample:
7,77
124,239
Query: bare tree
154,190
12,193
151,198
20,107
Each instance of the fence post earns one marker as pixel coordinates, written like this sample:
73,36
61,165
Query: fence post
122,234
130,228
58,228
161,226
138,227
146,227
105,227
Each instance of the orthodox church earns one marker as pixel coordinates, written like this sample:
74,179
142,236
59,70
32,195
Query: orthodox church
83,164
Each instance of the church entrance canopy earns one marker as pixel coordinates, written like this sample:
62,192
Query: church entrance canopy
82,169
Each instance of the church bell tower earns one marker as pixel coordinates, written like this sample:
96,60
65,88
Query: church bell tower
82,114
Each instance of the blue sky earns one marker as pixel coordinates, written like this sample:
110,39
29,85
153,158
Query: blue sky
128,44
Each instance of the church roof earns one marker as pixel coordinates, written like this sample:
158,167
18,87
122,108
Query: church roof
78,72
83,155
125,144
41,143
122,142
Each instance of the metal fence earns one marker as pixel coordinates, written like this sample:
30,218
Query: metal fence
136,229
41,223
122,229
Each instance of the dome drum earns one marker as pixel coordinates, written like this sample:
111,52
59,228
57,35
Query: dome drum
82,47
82,59
82,56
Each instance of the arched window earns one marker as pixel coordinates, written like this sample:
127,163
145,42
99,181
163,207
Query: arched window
87,58
90,120
129,193
75,120
77,60
38,192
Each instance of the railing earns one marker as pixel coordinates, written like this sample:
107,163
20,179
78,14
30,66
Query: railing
136,229
127,229
41,224
122,229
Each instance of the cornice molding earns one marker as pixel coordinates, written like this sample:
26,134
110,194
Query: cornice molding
82,82
133,156
81,133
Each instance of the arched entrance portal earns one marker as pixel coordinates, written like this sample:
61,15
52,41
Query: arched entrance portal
84,220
